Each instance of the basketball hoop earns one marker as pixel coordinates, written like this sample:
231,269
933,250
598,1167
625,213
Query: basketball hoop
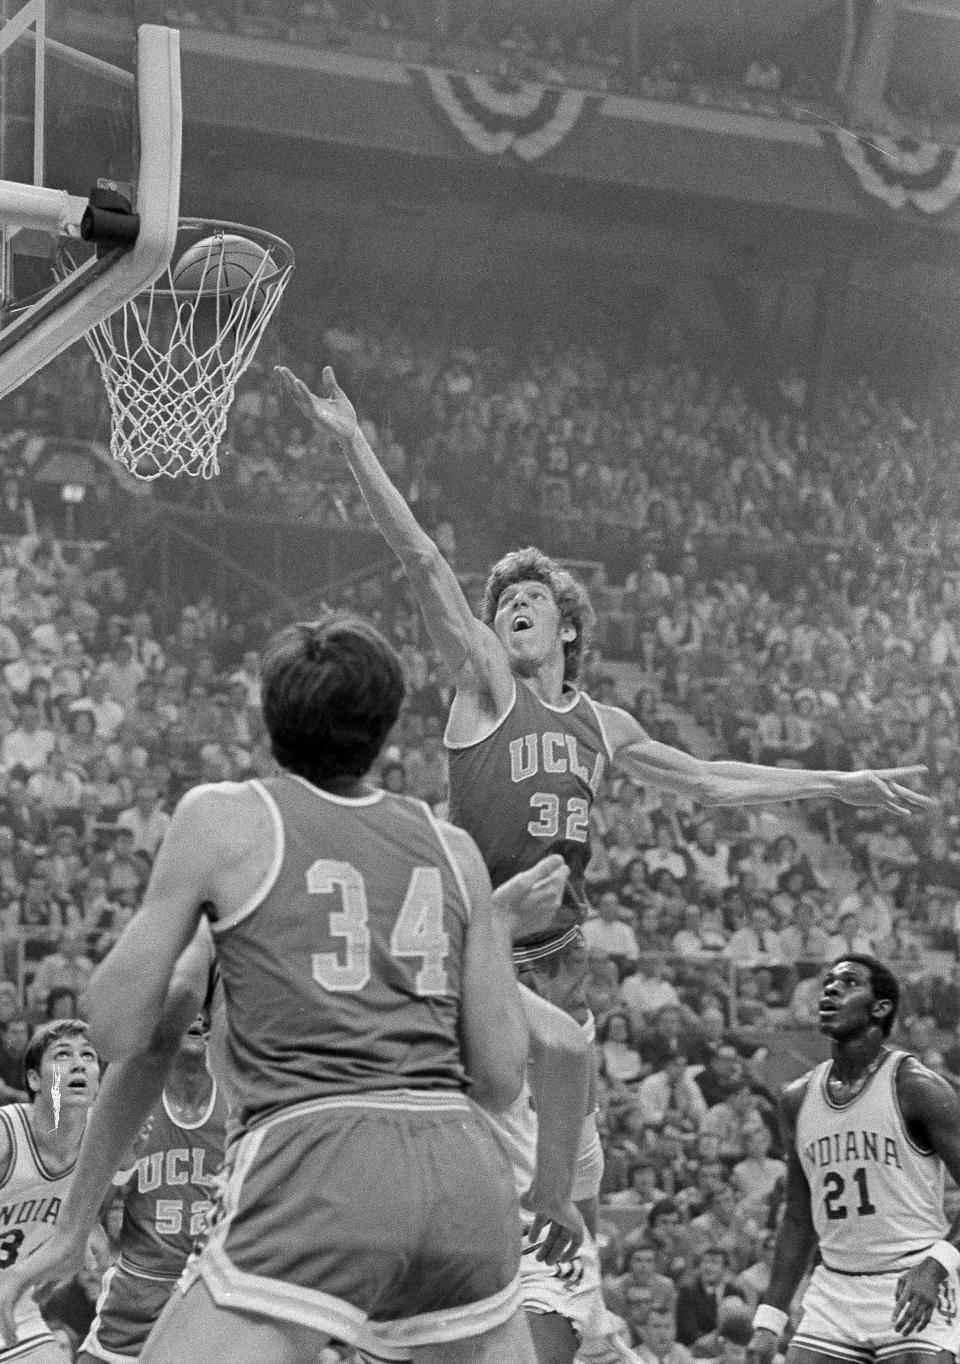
170,359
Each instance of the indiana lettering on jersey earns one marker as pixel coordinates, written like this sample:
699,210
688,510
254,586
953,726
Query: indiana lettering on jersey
29,1210
176,1166
552,752
860,1146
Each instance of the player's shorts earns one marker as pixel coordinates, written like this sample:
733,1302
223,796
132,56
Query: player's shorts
32,1332
850,1317
383,1217
571,1288
129,1304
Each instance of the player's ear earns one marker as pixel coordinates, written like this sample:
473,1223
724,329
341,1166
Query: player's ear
568,634
33,1081
881,1009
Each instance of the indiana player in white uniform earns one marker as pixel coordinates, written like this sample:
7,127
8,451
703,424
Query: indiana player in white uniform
39,1145
868,1135
129,1090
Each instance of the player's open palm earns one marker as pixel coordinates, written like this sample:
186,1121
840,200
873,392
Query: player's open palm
885,788
333,411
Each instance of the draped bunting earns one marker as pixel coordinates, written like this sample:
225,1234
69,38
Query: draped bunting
903,172
493,118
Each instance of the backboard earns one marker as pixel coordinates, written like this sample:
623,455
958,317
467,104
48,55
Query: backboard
88,102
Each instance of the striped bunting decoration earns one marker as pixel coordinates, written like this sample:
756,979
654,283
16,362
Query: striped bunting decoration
491,118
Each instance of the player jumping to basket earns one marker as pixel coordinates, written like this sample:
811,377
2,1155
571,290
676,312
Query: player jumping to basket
527,749
867,1134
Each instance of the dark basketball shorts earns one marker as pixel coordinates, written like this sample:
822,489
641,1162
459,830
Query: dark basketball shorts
128,1306
387,1219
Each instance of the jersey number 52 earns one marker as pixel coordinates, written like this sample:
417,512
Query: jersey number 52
418,931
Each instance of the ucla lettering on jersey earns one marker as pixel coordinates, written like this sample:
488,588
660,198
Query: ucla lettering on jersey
876,1196
526,789
169,1190
342,974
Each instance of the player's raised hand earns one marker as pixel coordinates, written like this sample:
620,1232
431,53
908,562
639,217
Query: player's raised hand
917,1294
333,411
57,1260
532,897
884,787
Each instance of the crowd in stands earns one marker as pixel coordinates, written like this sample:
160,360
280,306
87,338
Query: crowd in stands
711,929
683,66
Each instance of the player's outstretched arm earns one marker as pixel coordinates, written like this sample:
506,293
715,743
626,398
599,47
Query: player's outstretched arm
559,1075
931,1111
796,1239
129,1089
736,783
493,1027
469,649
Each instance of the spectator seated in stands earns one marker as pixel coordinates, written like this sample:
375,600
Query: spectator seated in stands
699,1296
609,932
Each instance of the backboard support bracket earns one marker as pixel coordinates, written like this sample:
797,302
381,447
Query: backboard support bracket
71,307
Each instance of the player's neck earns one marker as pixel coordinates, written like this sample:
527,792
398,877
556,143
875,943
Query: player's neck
854,1056
189,1085
547,682
57,1135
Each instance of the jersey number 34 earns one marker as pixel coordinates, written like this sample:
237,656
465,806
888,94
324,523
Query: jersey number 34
418,932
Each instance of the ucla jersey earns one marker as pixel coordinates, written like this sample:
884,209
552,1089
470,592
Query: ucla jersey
876,1196
342,975
526,789
168,1190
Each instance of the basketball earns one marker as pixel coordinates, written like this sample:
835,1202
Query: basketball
222,264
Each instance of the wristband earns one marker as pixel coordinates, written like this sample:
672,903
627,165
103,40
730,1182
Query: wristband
945,1254
768,1318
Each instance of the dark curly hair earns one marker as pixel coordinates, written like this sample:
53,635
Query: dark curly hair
573,603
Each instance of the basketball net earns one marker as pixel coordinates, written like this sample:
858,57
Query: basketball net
171,358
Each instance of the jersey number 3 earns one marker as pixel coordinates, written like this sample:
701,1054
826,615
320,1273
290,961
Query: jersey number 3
418,931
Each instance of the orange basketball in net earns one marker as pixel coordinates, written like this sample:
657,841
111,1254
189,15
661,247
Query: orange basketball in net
223,265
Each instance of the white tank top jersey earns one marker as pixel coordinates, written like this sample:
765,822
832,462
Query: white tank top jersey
876,1196
516,1129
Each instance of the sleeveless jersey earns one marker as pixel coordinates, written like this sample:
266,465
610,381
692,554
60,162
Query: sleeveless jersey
169,1190
30,1197
876,1197
343,973
526,789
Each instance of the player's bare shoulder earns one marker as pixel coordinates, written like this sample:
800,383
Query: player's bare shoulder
620,728
791,1101
924,1097
235,830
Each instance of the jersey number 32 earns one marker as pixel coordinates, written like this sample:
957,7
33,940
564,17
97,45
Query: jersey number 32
418,932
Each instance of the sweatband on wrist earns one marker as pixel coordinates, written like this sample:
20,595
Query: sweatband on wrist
945,1254
767,1318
